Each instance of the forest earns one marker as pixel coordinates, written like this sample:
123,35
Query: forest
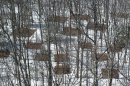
64,43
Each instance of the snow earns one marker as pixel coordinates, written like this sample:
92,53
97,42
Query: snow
69,79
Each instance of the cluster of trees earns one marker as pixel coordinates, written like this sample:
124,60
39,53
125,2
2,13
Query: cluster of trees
88,33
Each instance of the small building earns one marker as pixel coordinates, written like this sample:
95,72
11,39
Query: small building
100,56
71,31
61,58
23,32
4,53
129,32
41,57
34,45
87,45
60,19
62,69
110,73
79,17
116,48
120,15
100,27
129,44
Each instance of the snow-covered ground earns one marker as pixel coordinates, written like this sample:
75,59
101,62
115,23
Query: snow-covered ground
37,68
